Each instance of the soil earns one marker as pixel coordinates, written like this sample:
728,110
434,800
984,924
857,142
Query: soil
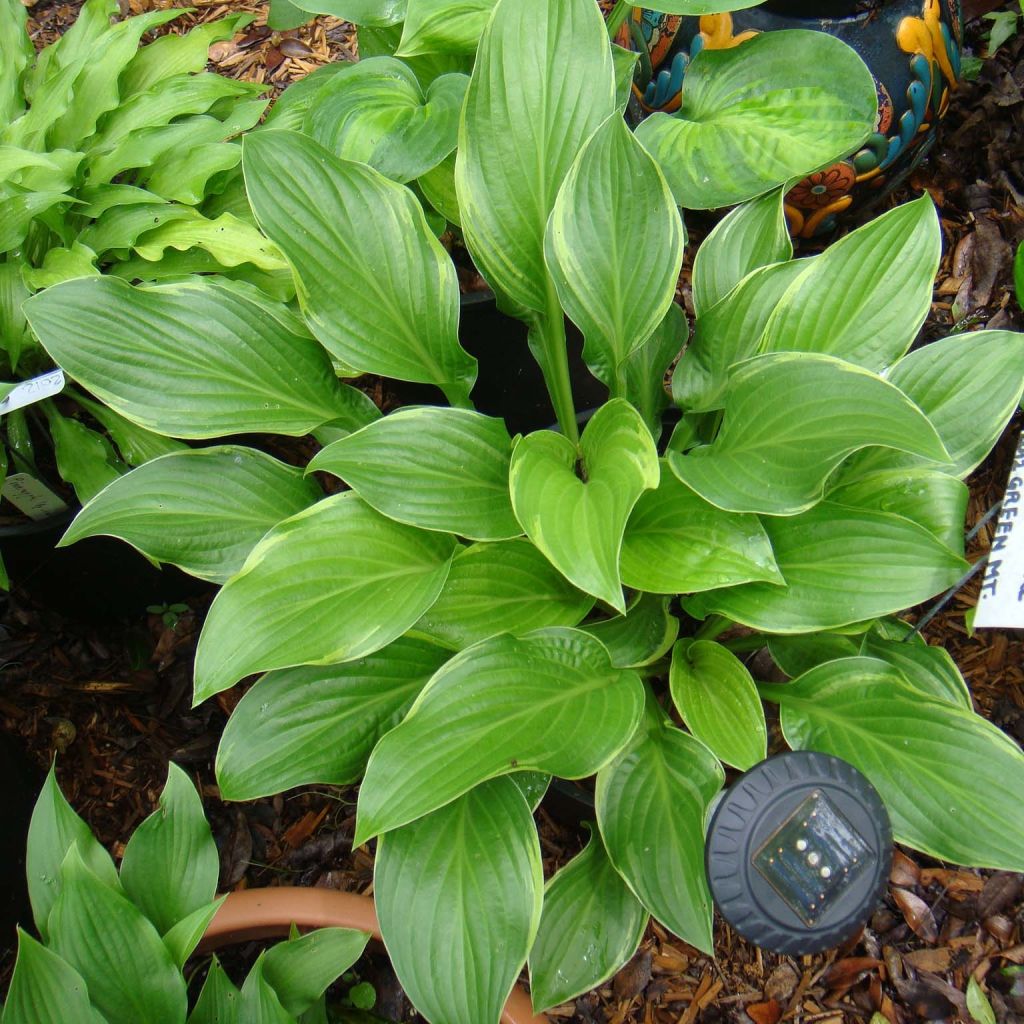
111,700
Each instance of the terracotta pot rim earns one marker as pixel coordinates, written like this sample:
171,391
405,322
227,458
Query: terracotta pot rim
269,913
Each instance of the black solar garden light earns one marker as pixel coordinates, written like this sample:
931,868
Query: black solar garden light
798,852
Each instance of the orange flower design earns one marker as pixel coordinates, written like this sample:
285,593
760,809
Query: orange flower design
823,188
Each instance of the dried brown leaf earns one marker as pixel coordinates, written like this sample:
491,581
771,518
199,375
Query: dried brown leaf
917,914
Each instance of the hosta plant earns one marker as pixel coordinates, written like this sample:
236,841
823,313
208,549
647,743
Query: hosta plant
114,161
477,612
113,942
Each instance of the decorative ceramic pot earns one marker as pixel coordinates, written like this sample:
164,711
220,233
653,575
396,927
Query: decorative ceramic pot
911,46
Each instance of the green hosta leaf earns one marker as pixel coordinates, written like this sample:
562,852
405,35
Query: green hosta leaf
170,864
38,171
384,41
969,386
54,829
194,359
840,566
717,698
333,583
300,970
18,211
359,12
934,500
508,587
465,879
639,637
521,133
591,925
797,654
928,759
645,368
258,1002
227,239
17,56
85,459
533,786
201,510
753,235
318,724
755,116
439,469
62,264
615,299
438,186
865,297
136,445
978,1005
677,543
375,112
45,989
444,26
790,419
289,109
364,259
578,523
284,15
128,970
694,7
182,939
218,999
13,325
549,702
926,668
651,805
728,333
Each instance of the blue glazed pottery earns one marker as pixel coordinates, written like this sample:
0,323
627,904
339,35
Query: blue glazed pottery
911,46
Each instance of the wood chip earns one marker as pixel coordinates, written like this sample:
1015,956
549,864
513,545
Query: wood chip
917,914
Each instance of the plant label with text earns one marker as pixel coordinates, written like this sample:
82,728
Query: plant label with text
1001,602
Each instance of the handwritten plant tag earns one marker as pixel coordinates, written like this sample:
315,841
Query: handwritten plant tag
1001,603
31,497
35,390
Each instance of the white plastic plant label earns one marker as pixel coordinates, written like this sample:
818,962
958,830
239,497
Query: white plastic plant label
31,497
35,390
1001,603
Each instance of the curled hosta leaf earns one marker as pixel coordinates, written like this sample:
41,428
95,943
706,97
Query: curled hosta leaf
591,925
678,543
651,804
202,510
641,636
718,700
333,583
318,723
439,469
549,702
789,421
577,516
774,108
464,879
521,132
865,297
375,112
508,587
300,969
840,566
444,26
359,12
364,258
926,668
615,299
929,759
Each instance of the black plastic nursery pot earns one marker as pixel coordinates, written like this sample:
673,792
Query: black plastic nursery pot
21,784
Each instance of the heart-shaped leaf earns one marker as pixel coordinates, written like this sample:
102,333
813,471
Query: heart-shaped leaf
578,523
152,353
790,419
717,698
757,115
463,879
375,112
841,565
865,297
651,804
928,759
509,587
202,510
439,469
615,299
444,26
548,702
522,131
678,543
364,258
333,583
591,925
318,724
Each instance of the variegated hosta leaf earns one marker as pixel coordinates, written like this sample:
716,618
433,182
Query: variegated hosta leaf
790,419
375,112
333,583
574,504
444,26
865,297
549,702
929,759
464,879
841,566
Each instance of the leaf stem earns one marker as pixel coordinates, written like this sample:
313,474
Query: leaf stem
714,626
555,365
458,395
620,12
